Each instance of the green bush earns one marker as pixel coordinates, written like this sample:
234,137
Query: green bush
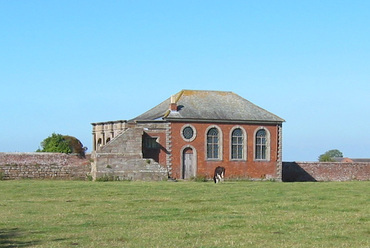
89,177
107,178
62,144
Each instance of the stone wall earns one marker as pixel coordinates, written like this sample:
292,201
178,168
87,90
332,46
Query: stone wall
325,171
122,159
103,132
43,166
120,167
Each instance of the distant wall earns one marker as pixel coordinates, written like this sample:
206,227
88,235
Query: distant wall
325,171
43,166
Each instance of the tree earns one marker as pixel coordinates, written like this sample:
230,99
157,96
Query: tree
62,144
330,155
75,145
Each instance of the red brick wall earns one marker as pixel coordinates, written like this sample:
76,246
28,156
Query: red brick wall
325,171
43,166
234,169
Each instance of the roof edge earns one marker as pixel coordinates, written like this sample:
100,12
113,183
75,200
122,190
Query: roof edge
224,121
108,122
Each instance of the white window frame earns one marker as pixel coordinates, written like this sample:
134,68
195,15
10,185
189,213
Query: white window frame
267,145
220,143
194,132
244,144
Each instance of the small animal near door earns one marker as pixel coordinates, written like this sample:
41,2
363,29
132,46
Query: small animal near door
188,164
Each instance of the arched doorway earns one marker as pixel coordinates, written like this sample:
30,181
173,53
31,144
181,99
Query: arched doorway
189,165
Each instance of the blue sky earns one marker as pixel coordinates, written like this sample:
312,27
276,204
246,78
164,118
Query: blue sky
66,64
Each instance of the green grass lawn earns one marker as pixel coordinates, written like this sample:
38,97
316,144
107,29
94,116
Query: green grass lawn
184,214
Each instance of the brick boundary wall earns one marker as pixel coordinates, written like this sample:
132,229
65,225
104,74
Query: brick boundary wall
44,166
325,171
71,167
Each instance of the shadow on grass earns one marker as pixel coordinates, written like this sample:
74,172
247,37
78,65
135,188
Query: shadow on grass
13,238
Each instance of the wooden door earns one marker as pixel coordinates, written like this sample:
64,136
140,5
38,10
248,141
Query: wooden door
188,164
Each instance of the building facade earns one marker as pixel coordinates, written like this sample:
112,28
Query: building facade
189,135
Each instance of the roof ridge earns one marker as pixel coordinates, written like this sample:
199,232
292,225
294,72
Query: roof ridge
179,96
208,90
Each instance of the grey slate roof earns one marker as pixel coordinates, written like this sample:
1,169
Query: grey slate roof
209,106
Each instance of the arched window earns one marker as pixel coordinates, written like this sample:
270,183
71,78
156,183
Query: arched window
213,143
237,142
261,144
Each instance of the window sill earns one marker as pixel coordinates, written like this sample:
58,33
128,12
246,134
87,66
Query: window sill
261,160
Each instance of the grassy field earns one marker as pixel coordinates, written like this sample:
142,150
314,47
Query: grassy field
184,214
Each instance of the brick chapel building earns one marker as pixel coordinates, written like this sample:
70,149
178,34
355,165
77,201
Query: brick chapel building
189,135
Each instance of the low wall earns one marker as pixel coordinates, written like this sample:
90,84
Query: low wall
43,166
325,171
69,166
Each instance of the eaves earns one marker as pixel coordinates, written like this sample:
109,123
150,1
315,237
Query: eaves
225,121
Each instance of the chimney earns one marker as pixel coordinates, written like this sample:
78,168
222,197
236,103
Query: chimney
173,105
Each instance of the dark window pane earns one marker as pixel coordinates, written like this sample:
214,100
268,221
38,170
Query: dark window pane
212,143
261,144
237,144
188,132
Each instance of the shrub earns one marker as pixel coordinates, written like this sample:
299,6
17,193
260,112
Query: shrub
75,145
55,143
107,178
63,144
89,177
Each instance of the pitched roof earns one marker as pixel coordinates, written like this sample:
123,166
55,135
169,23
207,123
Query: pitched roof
199,105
